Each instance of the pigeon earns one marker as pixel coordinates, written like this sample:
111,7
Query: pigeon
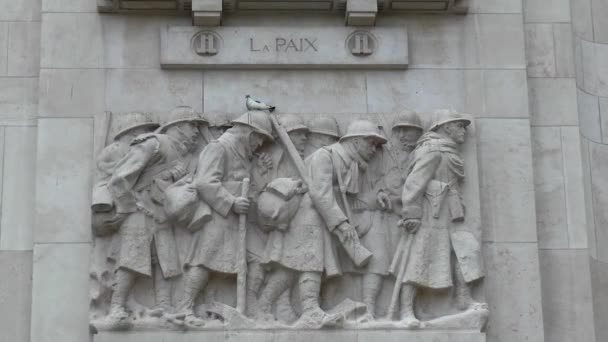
257,105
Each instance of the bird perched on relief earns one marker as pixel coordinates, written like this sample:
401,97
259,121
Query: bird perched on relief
257,105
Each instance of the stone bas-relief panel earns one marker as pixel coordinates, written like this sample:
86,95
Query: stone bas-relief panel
269,220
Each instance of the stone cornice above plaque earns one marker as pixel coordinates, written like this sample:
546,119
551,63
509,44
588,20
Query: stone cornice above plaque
284,48
209,12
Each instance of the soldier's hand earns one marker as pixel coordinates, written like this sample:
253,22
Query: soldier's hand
264,162
179,172
241,205
384,201
410,225
116,220
347,231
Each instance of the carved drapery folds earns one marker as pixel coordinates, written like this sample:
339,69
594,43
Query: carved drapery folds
268,221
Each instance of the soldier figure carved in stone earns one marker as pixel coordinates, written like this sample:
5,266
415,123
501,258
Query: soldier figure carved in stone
368,199
323,131
280,166
406,130
443,253
306,250
222,167
147,241
127,127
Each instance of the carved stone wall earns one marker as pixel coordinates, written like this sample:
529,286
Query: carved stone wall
508,63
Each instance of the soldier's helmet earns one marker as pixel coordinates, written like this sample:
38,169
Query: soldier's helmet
126,123
219,120
182,114
258,121
363,128
443,116
324,125
407,118
292,123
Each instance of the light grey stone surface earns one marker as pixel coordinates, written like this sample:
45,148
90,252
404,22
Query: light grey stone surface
301,91
504,94
299,336
536,11
64,164
564,55
507,216
589,116
60,303
599,182
302,47
600,27
152,90
599,282
24,49
26,10
483,93
553,101
595,68
134,41
495,6
582,22
69,6
71,92
589,215
603,109
18,98
15,295
540,50
574,188
551,215
61,48
3,52
567,296
18,188
514,292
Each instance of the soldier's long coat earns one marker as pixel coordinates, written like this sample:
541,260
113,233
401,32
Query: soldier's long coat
153,162
282,166
222,167
368,217
431,193
307,245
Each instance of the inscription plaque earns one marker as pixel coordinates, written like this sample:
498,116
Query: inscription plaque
284,48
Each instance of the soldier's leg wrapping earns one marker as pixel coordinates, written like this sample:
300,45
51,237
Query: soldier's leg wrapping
195,280
279,280
408,295
162,288
285,311
463,292
255,278
310,289
125,280
372,284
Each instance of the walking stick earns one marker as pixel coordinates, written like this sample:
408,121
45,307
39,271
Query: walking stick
405,244
241,277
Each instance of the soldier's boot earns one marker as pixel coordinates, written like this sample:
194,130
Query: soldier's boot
162,294
371,287
278,281
464,299
196,279
285,312
312,314
255,278
408,317
124,282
